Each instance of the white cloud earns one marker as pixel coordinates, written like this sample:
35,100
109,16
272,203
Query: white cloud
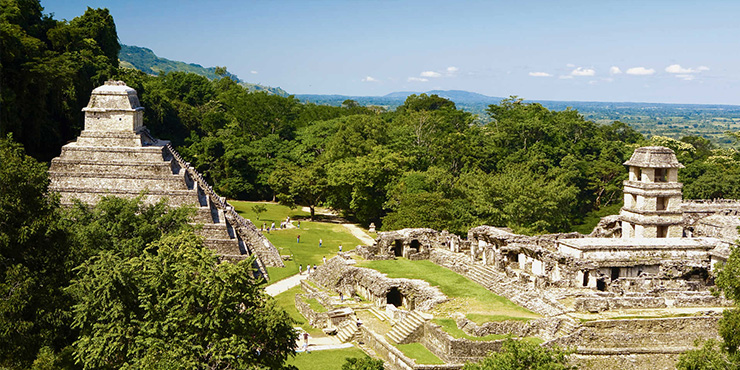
686,77
417,79
369,79
702,68
253,72
580,71
640,71
452,69
570,65
676,68
615,70
539,74
430,74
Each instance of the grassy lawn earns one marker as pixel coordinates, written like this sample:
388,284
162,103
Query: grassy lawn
315,305
332,359
419,353
449,326
286,240
482,319
467,295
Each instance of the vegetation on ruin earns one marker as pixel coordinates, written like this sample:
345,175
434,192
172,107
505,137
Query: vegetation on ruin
522,355
366,363
462,291
419,353
724,354
121,284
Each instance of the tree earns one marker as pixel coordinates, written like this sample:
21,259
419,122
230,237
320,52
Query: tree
365,363
259,209
34,309
300,185
176,306
522,355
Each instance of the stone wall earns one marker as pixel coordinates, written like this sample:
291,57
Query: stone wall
663,335
336,275
394,358
456,350
315,319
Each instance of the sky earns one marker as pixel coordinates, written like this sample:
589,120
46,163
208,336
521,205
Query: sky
637,51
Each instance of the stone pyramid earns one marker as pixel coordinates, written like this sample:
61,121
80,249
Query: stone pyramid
116,155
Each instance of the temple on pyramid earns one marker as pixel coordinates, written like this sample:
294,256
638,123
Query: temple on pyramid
116,155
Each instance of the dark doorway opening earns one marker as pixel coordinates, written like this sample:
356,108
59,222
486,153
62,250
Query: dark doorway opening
601,285
398,248
394,297
416,245
585,278
615,273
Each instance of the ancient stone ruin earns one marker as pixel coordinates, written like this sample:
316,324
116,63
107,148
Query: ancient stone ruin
116,155
655,259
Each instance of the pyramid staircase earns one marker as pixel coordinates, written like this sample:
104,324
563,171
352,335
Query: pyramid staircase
401,331
116,155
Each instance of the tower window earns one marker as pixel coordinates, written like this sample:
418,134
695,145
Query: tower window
661,203
660,175
638,174
662,231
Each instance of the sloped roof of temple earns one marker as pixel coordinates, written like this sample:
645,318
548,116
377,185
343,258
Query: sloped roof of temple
654,157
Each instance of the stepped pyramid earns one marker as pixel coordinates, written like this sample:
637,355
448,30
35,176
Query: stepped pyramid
116,155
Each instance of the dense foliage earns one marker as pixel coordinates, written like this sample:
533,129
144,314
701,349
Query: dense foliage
121,285
522,355
49,68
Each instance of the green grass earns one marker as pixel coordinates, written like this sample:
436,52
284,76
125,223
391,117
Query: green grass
421,354
332,359
450,327
315,305
482,319
471,296
285,240
592,218
286,300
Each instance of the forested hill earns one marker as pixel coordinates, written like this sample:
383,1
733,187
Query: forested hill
147,61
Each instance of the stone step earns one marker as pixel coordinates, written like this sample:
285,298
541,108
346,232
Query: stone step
124,182
401,331
81,165
379,314
223,246
112,154
92,195
211,230
347,332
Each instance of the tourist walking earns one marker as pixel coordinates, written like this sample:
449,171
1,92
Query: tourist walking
300,269
298,239
320,242
325,260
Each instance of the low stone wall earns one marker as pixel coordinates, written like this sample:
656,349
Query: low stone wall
701,301
394,358
315,319
665,335
456,350
599,304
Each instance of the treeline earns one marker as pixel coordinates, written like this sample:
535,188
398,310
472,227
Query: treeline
425,164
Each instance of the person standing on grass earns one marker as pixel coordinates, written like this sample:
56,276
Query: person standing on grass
298,239
325,260
300,269
320,241
309,269
340,248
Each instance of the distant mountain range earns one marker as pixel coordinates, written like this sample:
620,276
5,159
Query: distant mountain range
146,61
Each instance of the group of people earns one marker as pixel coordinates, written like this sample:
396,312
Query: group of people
283,225
308,268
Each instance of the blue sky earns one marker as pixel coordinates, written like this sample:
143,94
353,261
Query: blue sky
641,51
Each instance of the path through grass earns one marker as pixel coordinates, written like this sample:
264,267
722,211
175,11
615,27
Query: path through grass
286,240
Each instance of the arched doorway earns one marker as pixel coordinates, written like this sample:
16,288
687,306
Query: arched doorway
398,248
394,297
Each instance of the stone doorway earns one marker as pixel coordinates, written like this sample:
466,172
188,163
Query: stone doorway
394,297
398,248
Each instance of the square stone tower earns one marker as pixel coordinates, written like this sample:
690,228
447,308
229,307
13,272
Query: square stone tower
652,195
